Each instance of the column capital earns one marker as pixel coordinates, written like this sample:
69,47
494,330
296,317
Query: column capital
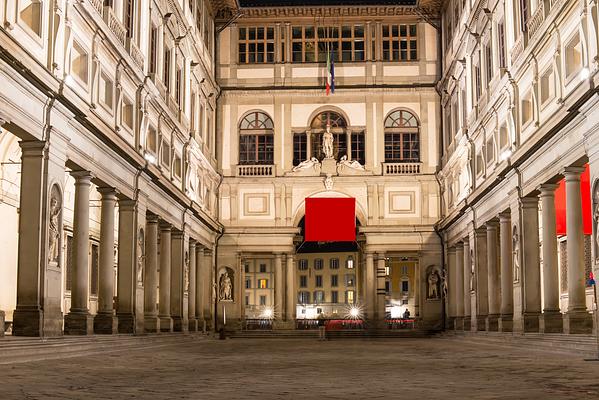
108,193
505,217
175,233
548,189
459,245
492,225
127,204
572,173
192,244
152,219
529,202
480,231
33,147
451,249
82,177
278,255
165,226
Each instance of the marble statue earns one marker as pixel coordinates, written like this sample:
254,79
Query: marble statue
516,253
472,272
141,257
54,234
225,290
306,164
327,142
186,272
351,164
433,285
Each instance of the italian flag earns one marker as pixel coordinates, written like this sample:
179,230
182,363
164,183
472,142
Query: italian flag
330,72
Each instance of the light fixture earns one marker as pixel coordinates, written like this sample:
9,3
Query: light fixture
584,74
268,313
150,158
354,312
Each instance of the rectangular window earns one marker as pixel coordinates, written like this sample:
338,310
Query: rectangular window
80,63
318,263
106,91
302,264
400,42
405,286
127,116
198,16
177,166
319,297
262,300
342,43
256,149
402,147
166,154
246,268
573,57
546,86
318,281
179,90
303,281
334,280
166,72
153,49
350,280
501,44
304,298
152,140
490,150
350,297
334,296
93,285
503,137
358,147
334,263
349,263
247,300
129,17
526,108
489,63
256,45
387,287
248,283
300,148
262,268
32,15
263,283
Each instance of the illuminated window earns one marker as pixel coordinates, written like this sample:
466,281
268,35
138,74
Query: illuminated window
402,139
349,297
256,139
106,91
127,116
350,262
319,296
400,43
31,15
79,63
256,45
263,283
350,280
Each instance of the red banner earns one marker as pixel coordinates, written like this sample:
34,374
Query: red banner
560,204
330,219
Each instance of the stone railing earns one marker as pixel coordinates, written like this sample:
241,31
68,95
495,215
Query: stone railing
401,168
98,5
255,170
534,23
114,24
135,53
517,49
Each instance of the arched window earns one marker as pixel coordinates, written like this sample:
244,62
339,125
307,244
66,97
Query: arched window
402,137
256,139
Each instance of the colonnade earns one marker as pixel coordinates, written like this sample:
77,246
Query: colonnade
495,271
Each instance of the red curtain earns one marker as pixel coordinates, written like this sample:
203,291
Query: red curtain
560,204
330,219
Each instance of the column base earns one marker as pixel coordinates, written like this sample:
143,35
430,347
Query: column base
492,323
577,322
505,323
480,323
27,322
166,324
458,324
78,323
530,322
2,323
178,325
450,322
105,324
467,323
552,322
192,325
126,323
151,324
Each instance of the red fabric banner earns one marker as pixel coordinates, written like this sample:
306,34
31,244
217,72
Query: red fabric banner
330,219
560,204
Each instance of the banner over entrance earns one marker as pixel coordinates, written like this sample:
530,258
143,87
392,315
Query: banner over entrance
330,219
560,204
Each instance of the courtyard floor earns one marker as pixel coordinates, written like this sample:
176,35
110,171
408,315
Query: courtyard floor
307,369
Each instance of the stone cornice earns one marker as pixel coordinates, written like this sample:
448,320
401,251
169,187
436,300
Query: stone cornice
339,11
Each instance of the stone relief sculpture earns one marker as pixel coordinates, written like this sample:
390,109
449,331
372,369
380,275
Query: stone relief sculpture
327,142
311,163
141,257
433,286
350,164
225,285
186,272
516,253
54,228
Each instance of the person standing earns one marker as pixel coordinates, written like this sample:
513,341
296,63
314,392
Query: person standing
321,327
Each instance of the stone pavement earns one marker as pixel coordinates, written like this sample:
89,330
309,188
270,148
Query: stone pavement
308,369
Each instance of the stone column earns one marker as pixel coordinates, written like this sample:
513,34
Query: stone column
459,286
380,290
531,269
200,287
551,320
291,291
177,257
507,277
481,278
164,313
492,276
151,321
210,288
279,287
577,319
191,310
451,287
467,274
79,321
105,320
370,287
127,266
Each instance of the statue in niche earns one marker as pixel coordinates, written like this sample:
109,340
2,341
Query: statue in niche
472,272
141,257
225,286
327,142
516,253
433,285
186,272
351,164
596,218
444,283
54,231
307,164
